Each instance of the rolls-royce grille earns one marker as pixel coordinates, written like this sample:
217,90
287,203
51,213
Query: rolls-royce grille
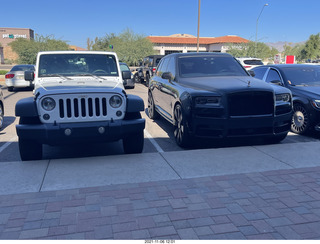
251,103
82,107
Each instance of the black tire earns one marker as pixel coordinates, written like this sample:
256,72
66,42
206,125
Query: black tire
300,119
10,88
136,78
1,116
181,132
152,113
30,150
133,143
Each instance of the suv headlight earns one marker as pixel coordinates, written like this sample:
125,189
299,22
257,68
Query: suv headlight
285,97
316,103
215,101
48,103
115,101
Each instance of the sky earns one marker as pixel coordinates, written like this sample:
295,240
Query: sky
75,21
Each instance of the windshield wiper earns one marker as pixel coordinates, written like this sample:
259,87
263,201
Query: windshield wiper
95,76
61,76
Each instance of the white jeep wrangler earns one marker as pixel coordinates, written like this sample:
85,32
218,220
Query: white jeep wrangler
78,97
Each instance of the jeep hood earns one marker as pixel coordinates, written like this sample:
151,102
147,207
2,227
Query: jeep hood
59,83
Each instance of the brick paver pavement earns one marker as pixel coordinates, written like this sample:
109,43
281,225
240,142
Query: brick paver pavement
282,204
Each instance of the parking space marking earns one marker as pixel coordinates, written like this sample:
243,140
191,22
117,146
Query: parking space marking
153,141
8,143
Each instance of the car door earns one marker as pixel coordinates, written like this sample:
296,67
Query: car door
274,77
169,91
156,84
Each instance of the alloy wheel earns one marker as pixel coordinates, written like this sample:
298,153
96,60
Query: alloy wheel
179,130
300,119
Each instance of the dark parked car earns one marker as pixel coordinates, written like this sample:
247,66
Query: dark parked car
211,95
147,68
304,82
1,109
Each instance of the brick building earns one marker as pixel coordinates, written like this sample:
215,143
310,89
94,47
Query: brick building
8,35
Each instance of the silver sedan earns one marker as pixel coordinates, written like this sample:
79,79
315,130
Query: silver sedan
15,77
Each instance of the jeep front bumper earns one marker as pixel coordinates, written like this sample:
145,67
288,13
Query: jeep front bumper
70,133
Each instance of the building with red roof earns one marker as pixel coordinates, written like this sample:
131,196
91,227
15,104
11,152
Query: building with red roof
187,43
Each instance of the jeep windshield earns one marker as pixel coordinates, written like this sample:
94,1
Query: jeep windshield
63,65
209,66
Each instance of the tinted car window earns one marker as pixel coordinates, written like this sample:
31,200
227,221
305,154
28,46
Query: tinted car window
253,62
23,68
157,61
303,76
171,67
259,72
209,66
163,66
273,75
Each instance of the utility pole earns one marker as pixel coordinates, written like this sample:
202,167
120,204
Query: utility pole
198,25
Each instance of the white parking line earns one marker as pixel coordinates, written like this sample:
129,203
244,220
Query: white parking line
154,143
8,143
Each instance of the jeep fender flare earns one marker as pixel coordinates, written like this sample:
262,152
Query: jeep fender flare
26,107
134,103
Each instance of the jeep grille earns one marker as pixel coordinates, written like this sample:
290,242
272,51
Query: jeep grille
82,108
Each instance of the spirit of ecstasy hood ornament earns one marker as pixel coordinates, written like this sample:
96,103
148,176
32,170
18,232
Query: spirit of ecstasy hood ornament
248,83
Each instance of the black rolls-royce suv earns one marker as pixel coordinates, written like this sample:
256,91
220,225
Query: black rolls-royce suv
211,95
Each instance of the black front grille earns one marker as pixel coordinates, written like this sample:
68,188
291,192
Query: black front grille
253,103
82,107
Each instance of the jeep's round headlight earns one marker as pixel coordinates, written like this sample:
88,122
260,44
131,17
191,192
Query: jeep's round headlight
115,101
48,103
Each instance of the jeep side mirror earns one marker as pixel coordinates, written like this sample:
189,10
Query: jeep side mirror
29,75
126,75
167,76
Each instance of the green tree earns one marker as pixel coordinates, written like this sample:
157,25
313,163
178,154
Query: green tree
129,46
27,50
294,50
311,49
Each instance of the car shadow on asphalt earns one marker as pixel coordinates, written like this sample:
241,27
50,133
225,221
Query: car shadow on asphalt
7,120
27,89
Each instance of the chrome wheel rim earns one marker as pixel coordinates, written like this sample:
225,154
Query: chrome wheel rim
299,119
